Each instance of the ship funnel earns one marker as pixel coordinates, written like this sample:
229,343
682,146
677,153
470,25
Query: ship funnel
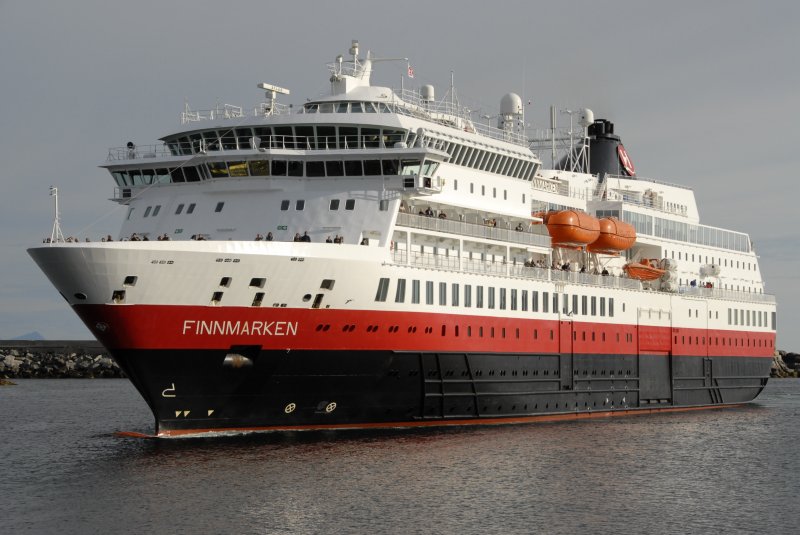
607,155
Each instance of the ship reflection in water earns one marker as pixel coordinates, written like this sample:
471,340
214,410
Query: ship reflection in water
693,472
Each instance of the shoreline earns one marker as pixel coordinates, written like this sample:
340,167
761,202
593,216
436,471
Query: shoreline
55,359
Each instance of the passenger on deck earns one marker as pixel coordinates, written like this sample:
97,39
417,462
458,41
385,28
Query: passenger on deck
259,237
305,237
297,236
329,240
269,236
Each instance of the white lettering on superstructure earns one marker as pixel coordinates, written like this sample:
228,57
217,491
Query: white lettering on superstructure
240,328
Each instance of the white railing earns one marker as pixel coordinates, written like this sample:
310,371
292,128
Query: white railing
719,293
137,152
474,230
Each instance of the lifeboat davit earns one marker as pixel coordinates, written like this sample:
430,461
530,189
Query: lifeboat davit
615,236
644,270
572,228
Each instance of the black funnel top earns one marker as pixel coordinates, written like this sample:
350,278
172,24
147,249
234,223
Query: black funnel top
607,155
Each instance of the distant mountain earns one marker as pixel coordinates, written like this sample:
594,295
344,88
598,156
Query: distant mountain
35,335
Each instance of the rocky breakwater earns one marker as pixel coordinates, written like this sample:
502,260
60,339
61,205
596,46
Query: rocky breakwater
785,364
51,360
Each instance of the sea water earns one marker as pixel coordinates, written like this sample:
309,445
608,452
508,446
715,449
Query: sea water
63,470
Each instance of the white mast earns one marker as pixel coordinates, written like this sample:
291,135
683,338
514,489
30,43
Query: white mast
55,235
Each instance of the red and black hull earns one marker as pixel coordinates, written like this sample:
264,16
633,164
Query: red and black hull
195,391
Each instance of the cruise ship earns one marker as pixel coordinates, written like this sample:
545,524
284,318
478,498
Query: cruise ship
379,257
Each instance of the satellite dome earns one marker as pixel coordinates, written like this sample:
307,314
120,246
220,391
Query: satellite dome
511,104
585,117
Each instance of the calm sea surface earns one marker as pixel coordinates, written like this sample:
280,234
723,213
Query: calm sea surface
62,470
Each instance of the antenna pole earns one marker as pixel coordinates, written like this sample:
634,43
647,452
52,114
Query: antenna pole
55,235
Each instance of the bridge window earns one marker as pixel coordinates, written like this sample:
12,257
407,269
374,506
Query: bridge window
372,167
315,169
353,168
258,167
350,204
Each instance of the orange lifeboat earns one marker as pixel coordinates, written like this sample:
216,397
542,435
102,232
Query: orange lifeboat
572,228
644,270
615,236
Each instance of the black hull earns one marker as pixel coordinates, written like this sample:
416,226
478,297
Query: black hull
199,391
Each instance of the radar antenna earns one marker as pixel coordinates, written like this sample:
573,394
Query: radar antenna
56,235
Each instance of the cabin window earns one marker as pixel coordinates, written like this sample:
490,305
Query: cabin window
454,294
334,205
285,205
467,295
383,290
429,292
611,307
574,304
584,308
513,299
602,306
400,294
300,205
524,301
534,301
443,294
490,294
257,282
190,209
179,209
502,298
147,211
479,296
350,204
218,207
415,291
156,210
545,302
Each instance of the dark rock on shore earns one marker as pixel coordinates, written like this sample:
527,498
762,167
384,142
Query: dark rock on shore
785,365
56,360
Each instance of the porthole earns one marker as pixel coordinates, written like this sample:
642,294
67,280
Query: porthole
81,296
307,298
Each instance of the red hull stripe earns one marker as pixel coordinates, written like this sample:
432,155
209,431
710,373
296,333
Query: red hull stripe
197,327
420,424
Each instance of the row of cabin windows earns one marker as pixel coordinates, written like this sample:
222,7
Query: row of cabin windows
501,298
484,160
296,168
483,191
300,204
750,318
298,137
349,204
749,266
729,341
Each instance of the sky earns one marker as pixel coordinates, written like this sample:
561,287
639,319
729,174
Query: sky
703,94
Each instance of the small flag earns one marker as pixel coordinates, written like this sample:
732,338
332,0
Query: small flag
410,71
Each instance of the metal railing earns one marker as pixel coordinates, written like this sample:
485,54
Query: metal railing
474,230
138,152
720,293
